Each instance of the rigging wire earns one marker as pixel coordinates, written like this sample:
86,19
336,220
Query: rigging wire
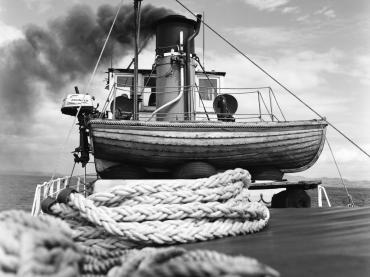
105,107
277,103
201,99
209,80
141,49
264,103
103,48
87,86
350,200
275,80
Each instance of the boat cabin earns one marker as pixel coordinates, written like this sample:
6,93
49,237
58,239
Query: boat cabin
207,86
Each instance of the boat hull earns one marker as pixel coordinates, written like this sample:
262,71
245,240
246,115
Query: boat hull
286,146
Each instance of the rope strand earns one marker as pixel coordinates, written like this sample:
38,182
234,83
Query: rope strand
171,213
104,236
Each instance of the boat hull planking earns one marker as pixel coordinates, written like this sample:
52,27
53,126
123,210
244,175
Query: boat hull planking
286,146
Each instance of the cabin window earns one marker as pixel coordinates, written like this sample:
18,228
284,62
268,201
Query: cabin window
149,97
208,89
125,81
125,84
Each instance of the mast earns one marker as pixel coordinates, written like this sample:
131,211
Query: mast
204,41
137,5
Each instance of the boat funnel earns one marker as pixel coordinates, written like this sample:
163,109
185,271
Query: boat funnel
174,35
168,38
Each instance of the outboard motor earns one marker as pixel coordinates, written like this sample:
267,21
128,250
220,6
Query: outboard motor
84,103
73,102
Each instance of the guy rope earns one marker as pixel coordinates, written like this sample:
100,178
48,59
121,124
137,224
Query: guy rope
108,234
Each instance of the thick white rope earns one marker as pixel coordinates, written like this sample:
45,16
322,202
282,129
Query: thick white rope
98,235
171,213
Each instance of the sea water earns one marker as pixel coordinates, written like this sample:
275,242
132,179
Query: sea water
17,191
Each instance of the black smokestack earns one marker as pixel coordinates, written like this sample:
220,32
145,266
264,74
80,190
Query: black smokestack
65,51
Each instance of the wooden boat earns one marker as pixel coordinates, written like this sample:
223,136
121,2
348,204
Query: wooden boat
179,140
286,146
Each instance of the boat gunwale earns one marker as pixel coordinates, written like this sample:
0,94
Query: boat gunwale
321,123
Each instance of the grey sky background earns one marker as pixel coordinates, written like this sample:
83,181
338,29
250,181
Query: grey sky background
318,49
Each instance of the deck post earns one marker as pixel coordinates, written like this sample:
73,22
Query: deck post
137,4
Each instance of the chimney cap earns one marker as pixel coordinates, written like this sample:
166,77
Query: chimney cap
176,18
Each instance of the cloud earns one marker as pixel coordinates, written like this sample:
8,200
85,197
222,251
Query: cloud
352,163
63,52
290,10
37,69
362,69
305,69
262,36
305,73
315,78
302,70
38,148
303,18
327,12
268,5
270,36
40,6
8,34
344,154
325,167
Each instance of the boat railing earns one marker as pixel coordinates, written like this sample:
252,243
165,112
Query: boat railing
53,187
254,104
80,184
210,116
320,192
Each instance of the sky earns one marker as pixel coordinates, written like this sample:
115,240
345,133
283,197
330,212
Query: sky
319,49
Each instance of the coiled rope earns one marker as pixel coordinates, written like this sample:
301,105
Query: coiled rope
108,234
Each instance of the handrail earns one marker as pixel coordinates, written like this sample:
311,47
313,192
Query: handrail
52,188
321,189
265,112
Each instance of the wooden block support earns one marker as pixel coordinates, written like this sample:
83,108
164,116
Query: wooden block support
305,185
105,185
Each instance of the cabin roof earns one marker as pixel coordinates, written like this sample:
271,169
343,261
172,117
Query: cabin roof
148,71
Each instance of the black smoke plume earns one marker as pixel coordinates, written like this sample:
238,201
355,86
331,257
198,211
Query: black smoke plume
63,52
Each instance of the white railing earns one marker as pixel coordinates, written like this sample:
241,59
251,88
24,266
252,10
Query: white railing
320,190
52,188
